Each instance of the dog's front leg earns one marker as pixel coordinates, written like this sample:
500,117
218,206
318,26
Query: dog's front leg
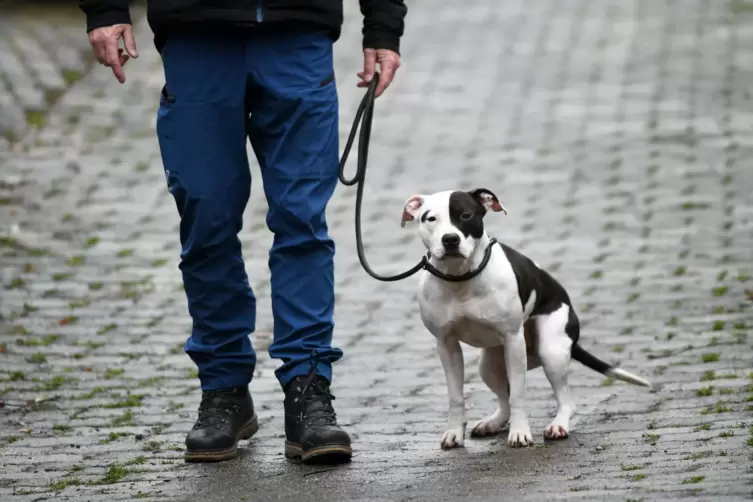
515,359
451,356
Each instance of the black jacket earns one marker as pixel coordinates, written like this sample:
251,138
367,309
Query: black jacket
382,26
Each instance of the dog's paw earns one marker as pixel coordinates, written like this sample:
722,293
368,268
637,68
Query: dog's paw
520,435
556,430
489,426
452,438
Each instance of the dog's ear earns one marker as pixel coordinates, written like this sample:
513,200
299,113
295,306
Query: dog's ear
410,210
488,200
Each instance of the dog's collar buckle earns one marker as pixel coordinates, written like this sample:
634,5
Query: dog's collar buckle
459,278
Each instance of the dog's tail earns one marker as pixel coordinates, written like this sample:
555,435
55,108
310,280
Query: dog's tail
591,361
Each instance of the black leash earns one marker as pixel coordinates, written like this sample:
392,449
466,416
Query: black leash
365,115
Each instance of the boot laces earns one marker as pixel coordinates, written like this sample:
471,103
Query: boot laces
216,409
316,405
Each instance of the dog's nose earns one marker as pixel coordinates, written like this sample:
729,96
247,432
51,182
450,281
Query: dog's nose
451,241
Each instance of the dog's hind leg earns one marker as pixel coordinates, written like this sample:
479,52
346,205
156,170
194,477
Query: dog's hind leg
554,352
493,372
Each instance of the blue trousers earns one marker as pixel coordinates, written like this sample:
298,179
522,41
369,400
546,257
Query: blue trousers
276,88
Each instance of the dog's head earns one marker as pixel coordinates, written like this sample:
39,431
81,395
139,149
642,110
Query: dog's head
451,223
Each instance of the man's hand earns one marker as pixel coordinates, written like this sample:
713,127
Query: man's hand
389,62
105,42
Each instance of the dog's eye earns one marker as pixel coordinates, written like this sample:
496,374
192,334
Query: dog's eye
431,218
465,216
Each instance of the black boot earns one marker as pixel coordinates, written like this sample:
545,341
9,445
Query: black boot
311,430
225,416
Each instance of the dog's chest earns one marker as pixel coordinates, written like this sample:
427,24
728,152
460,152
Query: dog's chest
479,322
476,333
477,319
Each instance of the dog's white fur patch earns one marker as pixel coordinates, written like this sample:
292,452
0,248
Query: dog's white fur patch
623,375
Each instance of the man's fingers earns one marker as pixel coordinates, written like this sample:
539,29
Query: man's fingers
113,59
105,42
102,53
129,41
363,82
111,51
386,74
389,62
98,47
369,65
117,70
123,57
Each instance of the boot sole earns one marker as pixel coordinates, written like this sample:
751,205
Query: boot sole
249,429
327,454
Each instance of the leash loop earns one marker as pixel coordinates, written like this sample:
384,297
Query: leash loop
365,116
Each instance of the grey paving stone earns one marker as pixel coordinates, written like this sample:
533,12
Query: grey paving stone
42,54
616,133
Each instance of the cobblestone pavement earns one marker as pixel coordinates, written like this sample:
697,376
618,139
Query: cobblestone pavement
618,133
42,54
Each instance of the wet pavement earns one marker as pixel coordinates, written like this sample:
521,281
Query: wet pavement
617,133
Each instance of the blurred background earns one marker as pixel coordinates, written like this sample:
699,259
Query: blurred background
42,54
617,133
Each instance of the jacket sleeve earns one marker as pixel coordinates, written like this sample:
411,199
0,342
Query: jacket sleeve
383,23
101,13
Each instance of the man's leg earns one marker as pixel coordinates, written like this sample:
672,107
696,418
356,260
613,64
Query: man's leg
202,137
294,132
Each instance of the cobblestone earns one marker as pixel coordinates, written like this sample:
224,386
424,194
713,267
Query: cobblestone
618,135
42,54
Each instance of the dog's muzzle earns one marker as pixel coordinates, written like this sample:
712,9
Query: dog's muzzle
451,246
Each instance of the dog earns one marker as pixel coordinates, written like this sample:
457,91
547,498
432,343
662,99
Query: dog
515,311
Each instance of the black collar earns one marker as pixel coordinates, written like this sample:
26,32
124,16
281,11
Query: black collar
464,277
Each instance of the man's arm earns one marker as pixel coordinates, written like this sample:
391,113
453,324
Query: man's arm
383,23
101,13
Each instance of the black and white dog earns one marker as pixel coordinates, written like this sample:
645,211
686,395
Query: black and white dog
516,312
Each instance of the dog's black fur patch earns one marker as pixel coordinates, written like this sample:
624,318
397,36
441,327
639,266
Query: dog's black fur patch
466,214
550,295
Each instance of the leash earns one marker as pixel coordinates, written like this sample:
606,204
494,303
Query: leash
365,115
